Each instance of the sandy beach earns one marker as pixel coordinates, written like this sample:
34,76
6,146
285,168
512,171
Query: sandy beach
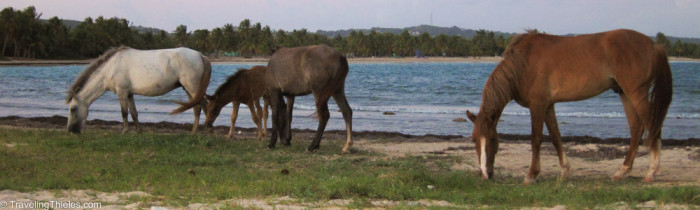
263,60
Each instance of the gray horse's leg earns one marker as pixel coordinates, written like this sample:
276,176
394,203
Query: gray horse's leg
277,104
134,113
342,102
266,106
288,122
123,102
322,109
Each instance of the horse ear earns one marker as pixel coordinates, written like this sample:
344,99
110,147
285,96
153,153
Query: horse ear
471,116
209,97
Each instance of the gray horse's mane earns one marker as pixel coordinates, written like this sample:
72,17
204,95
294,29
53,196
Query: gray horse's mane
83,77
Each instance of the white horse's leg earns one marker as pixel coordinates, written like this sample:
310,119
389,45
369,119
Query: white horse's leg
197,111
134,114
123,102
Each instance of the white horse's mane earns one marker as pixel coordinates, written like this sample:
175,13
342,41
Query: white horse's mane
83,77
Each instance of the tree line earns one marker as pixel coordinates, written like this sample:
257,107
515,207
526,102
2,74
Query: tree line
25,35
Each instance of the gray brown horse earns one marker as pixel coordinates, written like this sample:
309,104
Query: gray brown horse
317,70
245,86
539,70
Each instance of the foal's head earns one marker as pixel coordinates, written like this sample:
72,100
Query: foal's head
212,110
486,140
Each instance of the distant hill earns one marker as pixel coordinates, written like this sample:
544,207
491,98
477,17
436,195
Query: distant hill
454,30
414,30
141,29
673,39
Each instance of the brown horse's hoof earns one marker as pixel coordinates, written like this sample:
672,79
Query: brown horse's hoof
648,179
529,181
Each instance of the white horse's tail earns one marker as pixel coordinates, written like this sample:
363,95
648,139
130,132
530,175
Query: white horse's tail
199,96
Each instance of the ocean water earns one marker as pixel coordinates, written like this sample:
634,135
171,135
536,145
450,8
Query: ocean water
426,97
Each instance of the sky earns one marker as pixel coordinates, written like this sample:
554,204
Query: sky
679,18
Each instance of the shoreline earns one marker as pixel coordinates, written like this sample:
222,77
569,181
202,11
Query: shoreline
262,60
59,122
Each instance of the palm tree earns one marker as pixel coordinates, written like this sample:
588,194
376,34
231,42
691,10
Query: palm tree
181,36
8,27
217,40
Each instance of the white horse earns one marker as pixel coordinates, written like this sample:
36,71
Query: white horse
126,71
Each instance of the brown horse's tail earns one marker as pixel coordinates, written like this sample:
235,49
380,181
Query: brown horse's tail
661,95
199,96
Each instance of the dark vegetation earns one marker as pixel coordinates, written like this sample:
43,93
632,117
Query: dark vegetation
25,35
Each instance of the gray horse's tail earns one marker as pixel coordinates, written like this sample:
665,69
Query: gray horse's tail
199,96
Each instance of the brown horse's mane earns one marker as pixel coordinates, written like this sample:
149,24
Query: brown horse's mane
83,77
229,81
500,87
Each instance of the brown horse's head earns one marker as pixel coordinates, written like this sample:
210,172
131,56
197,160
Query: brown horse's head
212,111
486,140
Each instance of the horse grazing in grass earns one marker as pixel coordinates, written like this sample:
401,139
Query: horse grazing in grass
245,86
318,70
126,71
539,70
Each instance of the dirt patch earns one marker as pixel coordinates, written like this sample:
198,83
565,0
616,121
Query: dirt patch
695,155
600,152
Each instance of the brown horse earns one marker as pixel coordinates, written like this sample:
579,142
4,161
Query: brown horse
245,86
539,70
319,70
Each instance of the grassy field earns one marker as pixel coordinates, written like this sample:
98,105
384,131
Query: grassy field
179,169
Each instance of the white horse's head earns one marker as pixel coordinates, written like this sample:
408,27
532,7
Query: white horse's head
77,114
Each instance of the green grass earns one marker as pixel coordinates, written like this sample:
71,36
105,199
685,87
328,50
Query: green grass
180,168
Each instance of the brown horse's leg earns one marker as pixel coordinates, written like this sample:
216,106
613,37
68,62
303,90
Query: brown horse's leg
124,103
636,131
253,106
134,114
552,126
288,124
537,115
347,116
322,109
234,115
277,104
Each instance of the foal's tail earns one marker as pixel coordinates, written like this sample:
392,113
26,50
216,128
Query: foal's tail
198,96
661,94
